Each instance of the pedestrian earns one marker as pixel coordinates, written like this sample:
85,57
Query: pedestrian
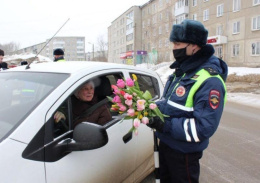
4,66
2,54
193,98
58,55
24,62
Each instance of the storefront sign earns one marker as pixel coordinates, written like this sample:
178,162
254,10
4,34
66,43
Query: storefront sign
140,52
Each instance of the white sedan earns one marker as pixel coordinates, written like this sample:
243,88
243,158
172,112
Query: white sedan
32,151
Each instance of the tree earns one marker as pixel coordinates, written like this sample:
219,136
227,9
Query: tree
101,49
10,47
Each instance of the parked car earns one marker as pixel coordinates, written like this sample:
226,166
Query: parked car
32,151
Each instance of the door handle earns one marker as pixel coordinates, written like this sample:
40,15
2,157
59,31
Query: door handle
127,137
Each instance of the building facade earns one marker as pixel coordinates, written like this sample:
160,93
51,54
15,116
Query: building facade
74,48
234,28
124,37
233,25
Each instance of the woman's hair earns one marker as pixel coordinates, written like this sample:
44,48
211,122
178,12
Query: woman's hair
76,93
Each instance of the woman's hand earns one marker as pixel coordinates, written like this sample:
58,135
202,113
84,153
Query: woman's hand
58,116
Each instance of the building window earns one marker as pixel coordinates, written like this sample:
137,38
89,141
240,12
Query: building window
160,43
236,27
194,2
256,23
129,37
194,16
219,30
180,18
220,10
219,51
256,2
166,27
160,29
235,51
161,17
256,48
206,15
236,5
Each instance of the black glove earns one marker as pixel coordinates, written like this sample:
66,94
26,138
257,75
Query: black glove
156,123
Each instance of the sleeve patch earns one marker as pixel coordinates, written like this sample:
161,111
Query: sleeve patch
214,98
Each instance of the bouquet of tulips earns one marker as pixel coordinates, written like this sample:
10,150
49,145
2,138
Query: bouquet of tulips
133,102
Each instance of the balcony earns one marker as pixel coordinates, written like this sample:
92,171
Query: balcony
181,10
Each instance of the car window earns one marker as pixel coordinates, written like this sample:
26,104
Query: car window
21,93
75,113
147,83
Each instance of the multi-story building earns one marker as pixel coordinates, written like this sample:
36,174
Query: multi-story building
234,28
233,25
157,20
124,37
74,48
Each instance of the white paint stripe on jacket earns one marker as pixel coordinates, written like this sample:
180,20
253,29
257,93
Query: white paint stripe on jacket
189,109
185,127
193,130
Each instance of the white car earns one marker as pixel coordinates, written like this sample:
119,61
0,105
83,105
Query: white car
32,151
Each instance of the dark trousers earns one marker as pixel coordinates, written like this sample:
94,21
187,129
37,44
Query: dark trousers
177,167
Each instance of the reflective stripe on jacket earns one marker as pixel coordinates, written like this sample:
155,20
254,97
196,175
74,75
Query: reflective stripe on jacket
194,115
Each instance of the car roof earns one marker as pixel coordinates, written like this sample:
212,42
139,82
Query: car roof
74,67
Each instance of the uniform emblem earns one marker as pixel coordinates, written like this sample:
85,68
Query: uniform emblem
180,91
214,98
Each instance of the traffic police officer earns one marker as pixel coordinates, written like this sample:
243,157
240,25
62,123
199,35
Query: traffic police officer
193,98
58,55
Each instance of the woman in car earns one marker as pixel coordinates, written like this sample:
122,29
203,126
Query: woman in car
82,100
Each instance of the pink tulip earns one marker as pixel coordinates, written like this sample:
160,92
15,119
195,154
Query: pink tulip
114,87
128,102
116,99
129,82
120,83
128,97
136,132
136,122
145,120
121,107
140,105
152,106
131,112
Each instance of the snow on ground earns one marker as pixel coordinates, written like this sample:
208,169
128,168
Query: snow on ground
248,99
25,56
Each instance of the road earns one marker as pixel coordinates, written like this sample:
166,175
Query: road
233,155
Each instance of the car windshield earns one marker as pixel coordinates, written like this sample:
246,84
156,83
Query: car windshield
21,92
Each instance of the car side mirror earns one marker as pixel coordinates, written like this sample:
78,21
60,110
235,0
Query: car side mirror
89,136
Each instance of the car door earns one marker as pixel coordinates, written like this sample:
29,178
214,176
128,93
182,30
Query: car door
111,163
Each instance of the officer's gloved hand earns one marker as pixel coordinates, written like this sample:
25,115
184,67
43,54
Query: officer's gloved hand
156,123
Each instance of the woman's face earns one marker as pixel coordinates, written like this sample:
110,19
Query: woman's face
86,93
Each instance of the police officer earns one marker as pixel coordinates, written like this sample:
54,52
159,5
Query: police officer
193,98
58,55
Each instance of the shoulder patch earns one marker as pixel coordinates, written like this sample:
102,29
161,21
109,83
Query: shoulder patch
214,98
211,71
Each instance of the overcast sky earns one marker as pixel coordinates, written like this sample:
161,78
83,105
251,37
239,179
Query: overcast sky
30,22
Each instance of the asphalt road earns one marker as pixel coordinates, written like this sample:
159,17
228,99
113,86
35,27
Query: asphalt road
233,155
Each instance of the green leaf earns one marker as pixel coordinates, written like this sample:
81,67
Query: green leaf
147,95
110,99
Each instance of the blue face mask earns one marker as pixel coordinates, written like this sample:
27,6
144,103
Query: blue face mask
180,54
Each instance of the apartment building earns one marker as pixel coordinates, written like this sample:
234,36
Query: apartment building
74,48
234,28
124,37
157,20
233,25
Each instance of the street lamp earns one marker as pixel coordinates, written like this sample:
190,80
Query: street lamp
92,49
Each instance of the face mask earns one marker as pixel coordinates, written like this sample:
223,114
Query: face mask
180,54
